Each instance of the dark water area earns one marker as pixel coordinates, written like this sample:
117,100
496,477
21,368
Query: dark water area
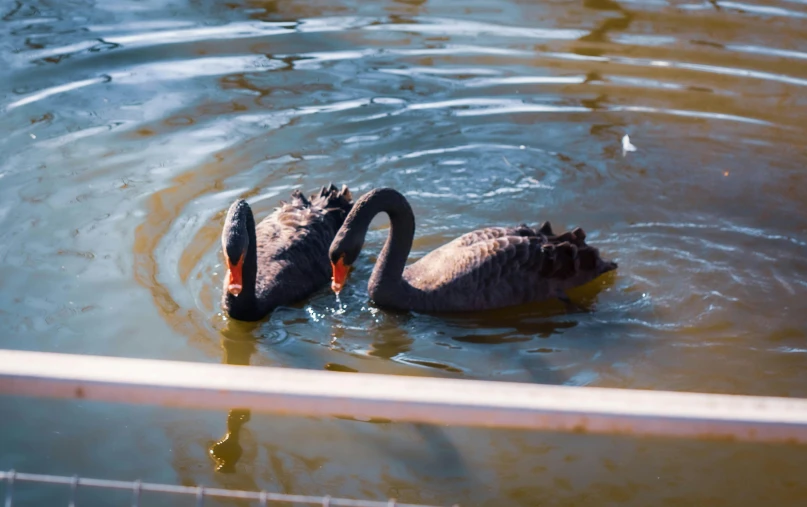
128,127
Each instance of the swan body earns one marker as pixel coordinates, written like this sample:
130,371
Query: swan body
285,257
484,269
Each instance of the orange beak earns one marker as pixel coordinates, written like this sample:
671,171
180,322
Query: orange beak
340,272
234,285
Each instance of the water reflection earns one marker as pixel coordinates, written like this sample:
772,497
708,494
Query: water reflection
129,127
227,451
389,341
600,34
238,346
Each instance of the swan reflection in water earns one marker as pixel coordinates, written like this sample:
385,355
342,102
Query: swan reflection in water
238,347
280,260
495,327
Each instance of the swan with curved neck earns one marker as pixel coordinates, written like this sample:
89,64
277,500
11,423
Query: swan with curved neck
285,257
484,269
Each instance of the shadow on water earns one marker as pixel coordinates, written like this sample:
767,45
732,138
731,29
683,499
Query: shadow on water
526,323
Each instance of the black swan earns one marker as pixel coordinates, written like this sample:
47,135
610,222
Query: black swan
484,269
285,258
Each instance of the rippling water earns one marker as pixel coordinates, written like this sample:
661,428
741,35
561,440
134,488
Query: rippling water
128,127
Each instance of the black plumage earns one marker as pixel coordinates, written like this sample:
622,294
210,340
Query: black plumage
285,257
488,268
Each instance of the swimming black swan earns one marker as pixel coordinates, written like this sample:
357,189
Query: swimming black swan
484,269
285,258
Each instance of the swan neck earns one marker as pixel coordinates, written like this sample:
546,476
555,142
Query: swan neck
388,272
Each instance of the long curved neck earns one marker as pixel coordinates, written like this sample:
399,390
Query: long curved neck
388,272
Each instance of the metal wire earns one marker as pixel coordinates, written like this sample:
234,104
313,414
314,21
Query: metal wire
11,477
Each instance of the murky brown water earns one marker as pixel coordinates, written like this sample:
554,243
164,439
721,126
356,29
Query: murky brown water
128,128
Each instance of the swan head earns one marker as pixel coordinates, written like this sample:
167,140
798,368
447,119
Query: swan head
234,243
344,251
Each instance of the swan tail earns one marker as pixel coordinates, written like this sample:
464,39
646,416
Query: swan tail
298,199
332,197
568,254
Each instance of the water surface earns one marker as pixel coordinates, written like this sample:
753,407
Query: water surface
128,128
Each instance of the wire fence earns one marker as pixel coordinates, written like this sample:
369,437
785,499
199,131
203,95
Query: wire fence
264,498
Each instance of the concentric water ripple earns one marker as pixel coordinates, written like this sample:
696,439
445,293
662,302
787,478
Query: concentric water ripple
129,128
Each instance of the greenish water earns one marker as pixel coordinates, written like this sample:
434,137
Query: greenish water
128,127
